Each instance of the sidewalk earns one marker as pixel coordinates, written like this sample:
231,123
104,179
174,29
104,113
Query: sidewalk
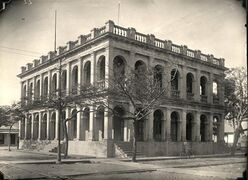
157,158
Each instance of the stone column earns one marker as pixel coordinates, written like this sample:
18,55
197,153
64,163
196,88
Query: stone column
40,123
26,127
108,64
32,125
163,134
125,130
149,129
92,68
48,125
197,127
78,123
91,123
184,114
79,75
197,86
108,120
211,117
179,135
210,89
68,79
68,124
58,79
57,125
168,124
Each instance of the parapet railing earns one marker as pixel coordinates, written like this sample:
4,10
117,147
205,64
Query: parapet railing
129,33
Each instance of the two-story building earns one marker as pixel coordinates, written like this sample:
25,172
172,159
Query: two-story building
192,111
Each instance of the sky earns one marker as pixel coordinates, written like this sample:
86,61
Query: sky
27,31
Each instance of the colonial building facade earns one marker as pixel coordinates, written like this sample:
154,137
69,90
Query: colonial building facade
192,111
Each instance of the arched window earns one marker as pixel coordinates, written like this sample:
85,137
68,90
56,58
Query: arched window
54,84
157,125
189,83
174,126
87,72
36,127
118,123
44,127
101,68
189,126
119,67
158,75
74,79
63,80
203,86
29,125
174,80
45,89
52,126
31,91
203,128
37,95
215,88
216,123
86,119
140,67
100,122
24,91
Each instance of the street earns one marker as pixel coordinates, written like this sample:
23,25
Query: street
28,165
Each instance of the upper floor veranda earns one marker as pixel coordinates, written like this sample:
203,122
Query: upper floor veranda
91,59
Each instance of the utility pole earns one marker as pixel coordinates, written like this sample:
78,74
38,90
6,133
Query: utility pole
119,4
59,94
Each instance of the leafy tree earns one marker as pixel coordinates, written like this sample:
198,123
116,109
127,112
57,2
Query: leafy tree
10,115
142,89
236,100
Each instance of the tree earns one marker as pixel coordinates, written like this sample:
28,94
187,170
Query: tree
142,88
236,100
10,115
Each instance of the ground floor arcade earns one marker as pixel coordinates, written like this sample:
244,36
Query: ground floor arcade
97,124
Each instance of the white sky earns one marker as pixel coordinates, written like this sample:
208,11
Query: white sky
212,26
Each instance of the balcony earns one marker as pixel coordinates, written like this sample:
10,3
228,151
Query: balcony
190,96
204,98
100,84
216,99
175,94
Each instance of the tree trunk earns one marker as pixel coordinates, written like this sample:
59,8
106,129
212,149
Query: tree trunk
9,137
134,141
236,139
66,139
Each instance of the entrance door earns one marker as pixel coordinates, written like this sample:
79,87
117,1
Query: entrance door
140,130
118,128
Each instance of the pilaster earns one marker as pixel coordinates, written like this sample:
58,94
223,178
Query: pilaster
197,127
32,125
78,122
40,123
184,114
168,124
48,125
91,123
92,67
